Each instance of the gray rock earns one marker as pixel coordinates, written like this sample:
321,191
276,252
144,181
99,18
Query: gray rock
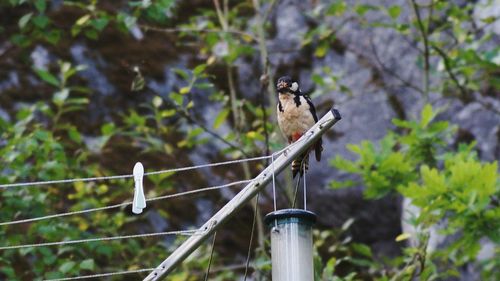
40,57
96,78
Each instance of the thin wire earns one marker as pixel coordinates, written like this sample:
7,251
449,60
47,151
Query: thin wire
247,264
178,232
211,256
302,173
131,175
26,184
305,187
64,181
102,274
148,200
274,182
209,165
126,203
66,214
197,190
296,191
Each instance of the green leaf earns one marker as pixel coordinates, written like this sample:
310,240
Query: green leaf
82,20
184,90
91,34
347,224
182,73
344,164
203,86
489,20
75,101
342,184
199,69
20,40
221,117
321,50
168,113
402,236
362,249
41,21
108,129
87,264
138,83
74,135
394,11
128,21
67,266
318,79
60,96
53,36
177,98
427,115
337,8
100,23
47,77
40,5
23,21
361,9
402,123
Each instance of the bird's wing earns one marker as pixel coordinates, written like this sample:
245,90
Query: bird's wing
312,109
318,147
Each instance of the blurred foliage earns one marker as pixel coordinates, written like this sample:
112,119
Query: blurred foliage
45,140
448,185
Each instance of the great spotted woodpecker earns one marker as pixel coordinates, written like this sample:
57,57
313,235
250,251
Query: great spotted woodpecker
296,115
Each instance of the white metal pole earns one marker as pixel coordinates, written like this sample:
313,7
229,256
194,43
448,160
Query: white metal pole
245,195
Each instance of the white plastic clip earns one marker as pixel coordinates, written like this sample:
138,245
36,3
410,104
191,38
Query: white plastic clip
139,202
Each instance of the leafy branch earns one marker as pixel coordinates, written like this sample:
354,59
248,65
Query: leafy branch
463,90
245,35
184,113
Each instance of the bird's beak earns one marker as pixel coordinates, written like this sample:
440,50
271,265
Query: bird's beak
282,85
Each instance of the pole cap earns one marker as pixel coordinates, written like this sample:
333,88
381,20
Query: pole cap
290,216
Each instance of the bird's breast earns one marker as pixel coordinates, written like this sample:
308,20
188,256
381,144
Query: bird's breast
294,115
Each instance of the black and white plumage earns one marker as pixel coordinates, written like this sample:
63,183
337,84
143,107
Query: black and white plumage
296,115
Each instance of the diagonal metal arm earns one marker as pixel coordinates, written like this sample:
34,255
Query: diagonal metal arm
245,195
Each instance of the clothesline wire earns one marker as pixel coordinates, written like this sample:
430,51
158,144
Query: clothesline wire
178,232
102,274
127,203
181,169
131,175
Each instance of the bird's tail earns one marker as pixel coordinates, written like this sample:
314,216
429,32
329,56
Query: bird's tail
300,164
318,148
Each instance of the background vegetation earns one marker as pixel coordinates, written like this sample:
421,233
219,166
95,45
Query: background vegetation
90,87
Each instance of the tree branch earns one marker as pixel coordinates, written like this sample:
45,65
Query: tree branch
220,15
264,57
424,32
449,70
237,115
200,30
392,73
192,120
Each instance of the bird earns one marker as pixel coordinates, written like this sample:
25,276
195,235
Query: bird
296,114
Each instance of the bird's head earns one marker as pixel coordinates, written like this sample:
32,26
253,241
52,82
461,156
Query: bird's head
285,84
